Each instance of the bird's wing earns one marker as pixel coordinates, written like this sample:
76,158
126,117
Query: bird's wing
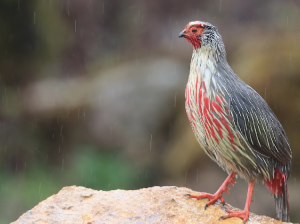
259,126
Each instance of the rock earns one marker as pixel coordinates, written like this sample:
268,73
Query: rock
149,205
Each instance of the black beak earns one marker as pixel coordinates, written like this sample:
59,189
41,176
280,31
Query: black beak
181,34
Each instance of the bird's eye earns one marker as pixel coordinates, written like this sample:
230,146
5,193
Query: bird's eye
194,30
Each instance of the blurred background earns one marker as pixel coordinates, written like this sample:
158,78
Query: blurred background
92,94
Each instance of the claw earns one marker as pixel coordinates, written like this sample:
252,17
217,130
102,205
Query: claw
222,217
222,200
205,207
187,195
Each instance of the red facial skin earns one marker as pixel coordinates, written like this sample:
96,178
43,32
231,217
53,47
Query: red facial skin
192,34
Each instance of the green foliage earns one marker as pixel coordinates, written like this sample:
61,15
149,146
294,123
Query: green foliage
105,171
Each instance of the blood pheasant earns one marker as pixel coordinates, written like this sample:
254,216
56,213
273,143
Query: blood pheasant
233,123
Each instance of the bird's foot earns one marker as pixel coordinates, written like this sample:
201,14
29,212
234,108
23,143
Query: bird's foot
240,214
211,197
218,195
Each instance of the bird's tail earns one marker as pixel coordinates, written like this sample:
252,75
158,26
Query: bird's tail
282,203
277,185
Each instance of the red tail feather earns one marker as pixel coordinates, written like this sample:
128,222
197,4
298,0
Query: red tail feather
278,186
275,184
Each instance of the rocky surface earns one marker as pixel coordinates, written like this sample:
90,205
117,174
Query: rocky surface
150,205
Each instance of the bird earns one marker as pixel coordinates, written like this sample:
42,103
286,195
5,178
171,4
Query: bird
233,124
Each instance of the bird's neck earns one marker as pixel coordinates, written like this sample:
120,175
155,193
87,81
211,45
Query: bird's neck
203,69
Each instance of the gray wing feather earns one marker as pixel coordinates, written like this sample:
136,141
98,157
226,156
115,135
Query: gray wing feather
258,124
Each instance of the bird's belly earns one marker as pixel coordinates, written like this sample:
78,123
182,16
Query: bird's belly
211,126
199,128
208,119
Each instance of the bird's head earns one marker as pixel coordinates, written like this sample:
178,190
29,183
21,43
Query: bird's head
200,33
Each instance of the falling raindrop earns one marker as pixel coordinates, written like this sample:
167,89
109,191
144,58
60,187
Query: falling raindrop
34,18
197,174
185,177
150,142
61,128
220,8
75,26
62,165
175,99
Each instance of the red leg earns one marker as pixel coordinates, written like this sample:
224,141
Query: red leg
218,195
245,213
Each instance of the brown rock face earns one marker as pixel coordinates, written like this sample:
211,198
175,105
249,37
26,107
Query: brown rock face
150,205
